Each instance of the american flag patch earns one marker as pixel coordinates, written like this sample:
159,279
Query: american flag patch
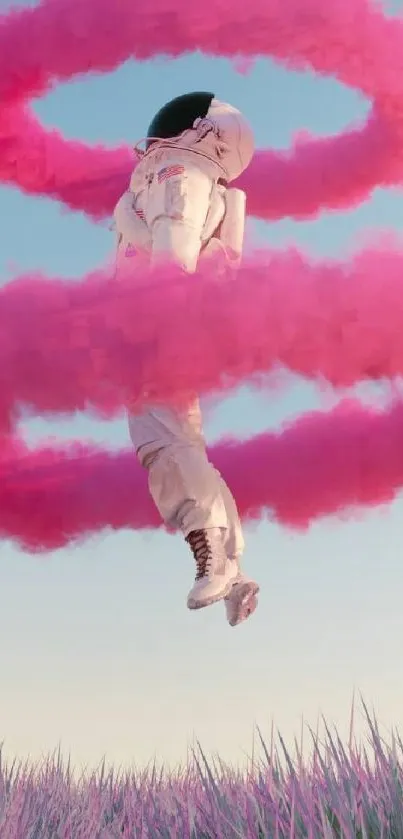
170,172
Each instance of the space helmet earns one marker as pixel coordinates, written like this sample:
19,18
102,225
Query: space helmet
233,134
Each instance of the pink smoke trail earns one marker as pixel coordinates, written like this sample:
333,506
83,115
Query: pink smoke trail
42,162
330,173
102,344
319,465
354,41
58,39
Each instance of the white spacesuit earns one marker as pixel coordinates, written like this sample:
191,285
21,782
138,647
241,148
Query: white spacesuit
179,209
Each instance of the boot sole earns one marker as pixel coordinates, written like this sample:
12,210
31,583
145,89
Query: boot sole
247,592
242,591
201,604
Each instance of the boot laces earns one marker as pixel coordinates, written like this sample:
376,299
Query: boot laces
202,551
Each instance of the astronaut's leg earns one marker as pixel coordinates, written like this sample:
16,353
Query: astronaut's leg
187,492
241,601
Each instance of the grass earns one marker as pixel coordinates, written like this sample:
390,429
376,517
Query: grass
342,792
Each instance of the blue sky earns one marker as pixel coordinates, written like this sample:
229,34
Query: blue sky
98,651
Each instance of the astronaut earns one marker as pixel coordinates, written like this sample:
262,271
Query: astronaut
180,209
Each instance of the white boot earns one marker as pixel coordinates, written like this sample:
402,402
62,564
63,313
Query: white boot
241,602
215,572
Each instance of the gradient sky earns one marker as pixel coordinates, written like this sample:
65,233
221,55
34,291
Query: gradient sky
97,649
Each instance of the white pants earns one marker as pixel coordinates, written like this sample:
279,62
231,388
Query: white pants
187,490
173,213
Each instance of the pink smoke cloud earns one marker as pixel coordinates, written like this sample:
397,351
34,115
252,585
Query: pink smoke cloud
314,175
101,344
98,345
319,465
55,41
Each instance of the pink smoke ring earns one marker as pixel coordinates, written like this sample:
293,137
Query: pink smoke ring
349,39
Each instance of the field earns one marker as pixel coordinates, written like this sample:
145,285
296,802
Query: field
340,792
